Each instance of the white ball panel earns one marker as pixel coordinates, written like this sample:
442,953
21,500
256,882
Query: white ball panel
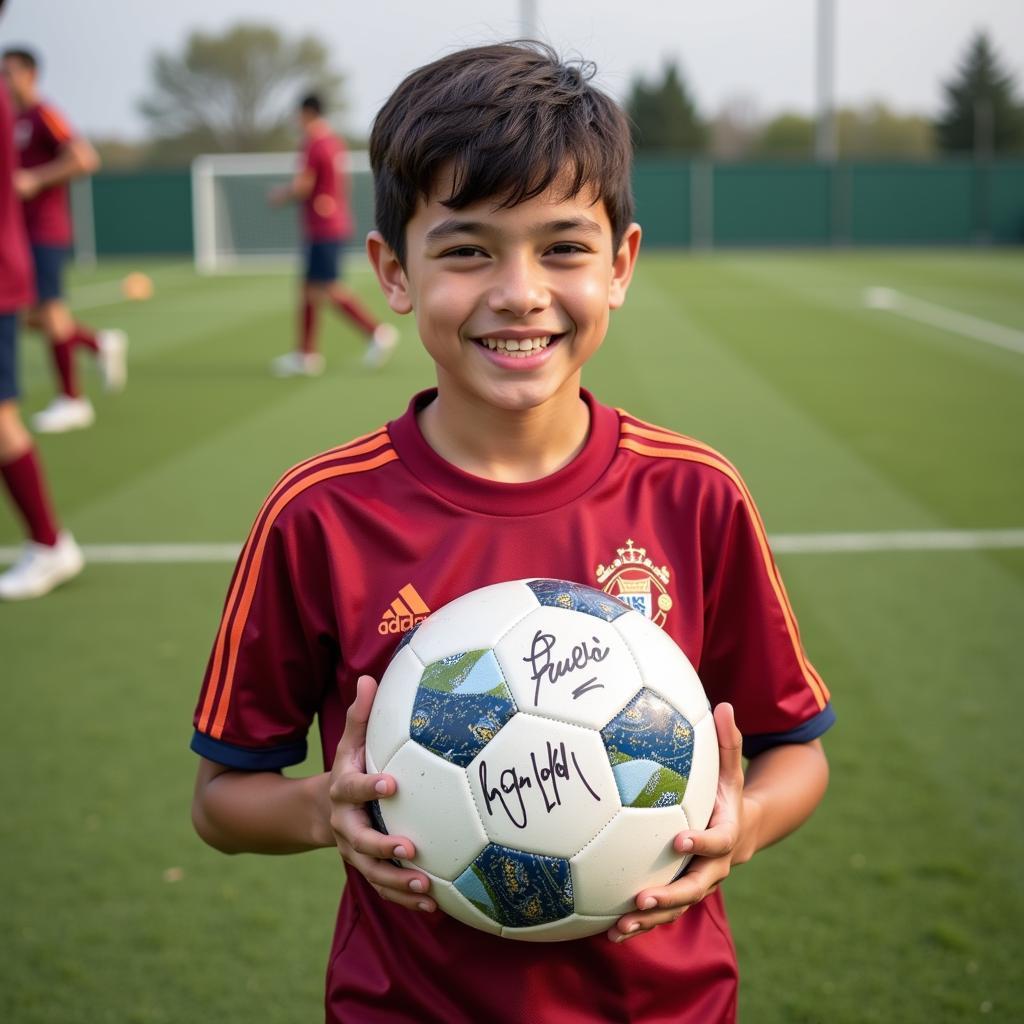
453,903
632,853
702,785
663,666
434,808
372,767
539,657
574,927
388,727
473,622
543,786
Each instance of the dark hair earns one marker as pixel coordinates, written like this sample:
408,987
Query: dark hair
27,57
511,119
312,104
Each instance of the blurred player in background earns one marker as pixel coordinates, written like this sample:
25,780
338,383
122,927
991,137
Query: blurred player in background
50,556
321,186
50,155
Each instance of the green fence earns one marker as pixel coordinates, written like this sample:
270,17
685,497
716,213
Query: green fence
686,203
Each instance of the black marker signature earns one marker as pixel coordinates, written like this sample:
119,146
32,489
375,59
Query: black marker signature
545,667
545,775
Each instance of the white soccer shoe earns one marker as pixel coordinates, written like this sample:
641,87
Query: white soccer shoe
298,364
381,347
64,414
113,363
41,568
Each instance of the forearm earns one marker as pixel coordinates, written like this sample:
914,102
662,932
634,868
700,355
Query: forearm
72,162
781,789
261,812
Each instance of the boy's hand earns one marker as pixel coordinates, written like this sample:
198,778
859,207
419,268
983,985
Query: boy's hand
714,849
350,789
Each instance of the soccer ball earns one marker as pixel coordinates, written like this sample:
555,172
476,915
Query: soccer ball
548,742
137,287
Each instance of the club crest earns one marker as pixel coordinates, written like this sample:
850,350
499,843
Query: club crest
635,580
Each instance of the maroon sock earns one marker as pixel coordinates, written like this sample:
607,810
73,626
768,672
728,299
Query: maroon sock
348,305
308,336
24,479
63,360
85,336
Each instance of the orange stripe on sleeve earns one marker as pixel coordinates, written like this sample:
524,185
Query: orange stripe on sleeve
709,457
248,590
353,448
55,124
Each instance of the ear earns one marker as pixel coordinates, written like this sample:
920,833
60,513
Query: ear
390,273
622,266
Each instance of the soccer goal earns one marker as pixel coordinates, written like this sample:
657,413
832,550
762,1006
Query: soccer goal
233,226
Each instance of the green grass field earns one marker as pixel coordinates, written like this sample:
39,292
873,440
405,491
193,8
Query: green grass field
901,901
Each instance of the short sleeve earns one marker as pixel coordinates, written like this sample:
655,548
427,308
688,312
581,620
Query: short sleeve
55,126
752,655
270,663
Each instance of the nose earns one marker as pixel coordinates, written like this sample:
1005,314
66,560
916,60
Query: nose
520,288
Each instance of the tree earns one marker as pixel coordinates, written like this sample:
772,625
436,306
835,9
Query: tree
663,114
981,112
788,137
235,92
877,131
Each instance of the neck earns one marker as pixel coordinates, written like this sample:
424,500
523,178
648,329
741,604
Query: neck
507,446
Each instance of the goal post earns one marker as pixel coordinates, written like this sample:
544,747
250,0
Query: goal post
234,227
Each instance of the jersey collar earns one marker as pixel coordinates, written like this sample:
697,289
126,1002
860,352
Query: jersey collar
491,497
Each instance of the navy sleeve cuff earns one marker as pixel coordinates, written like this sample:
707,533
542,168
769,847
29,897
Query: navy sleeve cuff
266,759
803,733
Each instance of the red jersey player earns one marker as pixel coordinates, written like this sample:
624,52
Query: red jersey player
504,213
50,155
50,556
321,186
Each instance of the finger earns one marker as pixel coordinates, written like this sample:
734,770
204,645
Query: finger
407,888
730,744
353,787
716,841
358,714
701,878
371,843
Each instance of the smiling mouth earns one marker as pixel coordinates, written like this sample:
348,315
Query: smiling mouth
520,348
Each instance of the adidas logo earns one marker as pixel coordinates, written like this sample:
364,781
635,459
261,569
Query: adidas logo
406,611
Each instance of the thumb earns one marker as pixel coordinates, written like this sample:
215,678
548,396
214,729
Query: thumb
730,744
354,736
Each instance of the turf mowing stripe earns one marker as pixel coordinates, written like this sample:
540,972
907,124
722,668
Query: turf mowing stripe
947,319
781,543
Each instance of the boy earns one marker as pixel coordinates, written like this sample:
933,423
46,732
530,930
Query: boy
504,225
51,155
321,186
50,556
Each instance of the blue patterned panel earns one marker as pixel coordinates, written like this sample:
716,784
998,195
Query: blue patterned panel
518,889
650,747
578,598
461,703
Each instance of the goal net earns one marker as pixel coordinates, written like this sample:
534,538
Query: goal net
233,226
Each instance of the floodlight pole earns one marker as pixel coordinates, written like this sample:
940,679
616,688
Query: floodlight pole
825,142
528,19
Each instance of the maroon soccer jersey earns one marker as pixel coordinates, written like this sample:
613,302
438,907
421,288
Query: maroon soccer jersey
354,545
39,135
16,289
325,214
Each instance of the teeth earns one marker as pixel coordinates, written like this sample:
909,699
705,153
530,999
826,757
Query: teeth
520,347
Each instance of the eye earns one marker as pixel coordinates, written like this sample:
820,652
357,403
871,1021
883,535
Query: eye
567,249
464,251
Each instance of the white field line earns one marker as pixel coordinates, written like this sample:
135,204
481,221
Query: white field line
782,544
946,319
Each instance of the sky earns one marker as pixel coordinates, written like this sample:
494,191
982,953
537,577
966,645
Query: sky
98,52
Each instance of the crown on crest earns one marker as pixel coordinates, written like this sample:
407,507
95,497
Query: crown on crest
631,555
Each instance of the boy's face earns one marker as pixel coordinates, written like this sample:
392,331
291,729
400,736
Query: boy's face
510,302
20,79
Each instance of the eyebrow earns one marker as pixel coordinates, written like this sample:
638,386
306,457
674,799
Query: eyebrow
455,226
